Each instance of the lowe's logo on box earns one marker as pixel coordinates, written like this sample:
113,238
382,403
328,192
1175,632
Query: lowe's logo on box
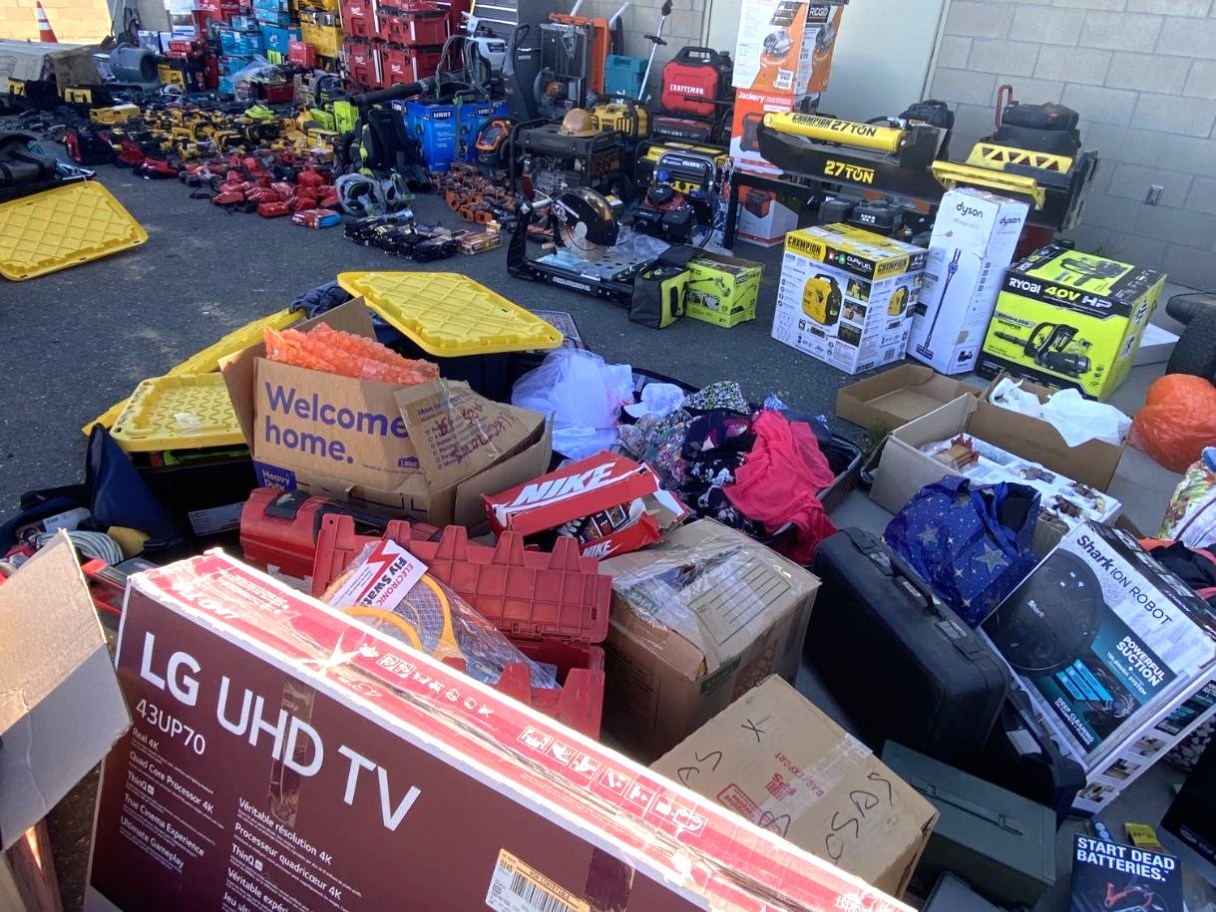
289,402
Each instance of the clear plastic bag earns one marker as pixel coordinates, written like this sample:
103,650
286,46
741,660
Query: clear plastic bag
432,618
583,393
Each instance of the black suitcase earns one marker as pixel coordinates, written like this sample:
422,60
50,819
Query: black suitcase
900,663
1041,117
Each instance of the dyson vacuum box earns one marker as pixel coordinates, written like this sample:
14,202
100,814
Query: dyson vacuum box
286,756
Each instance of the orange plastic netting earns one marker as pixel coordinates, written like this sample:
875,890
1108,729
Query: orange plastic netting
347,355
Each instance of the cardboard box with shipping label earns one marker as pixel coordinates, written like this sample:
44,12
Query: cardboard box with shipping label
973,242
286,756
723,290
697,621
845,296
778,760
429,450
1070,319
1107,643
60,705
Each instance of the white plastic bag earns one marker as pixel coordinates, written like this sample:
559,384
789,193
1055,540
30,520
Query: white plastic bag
1077,419
583,394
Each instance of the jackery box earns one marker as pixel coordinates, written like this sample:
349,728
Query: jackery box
747,115
1070,319
61,708
286,756
697,621
845,296
775,758
430,451
973,242
1106,643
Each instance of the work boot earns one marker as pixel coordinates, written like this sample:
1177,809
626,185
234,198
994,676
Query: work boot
1186,307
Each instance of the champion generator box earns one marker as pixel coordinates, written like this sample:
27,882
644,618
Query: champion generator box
1070,319
286,756
973,242
697,621
723,290
778,760
845,296
786,45
1107,644
429,451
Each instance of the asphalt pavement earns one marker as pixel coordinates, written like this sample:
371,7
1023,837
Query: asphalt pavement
81,339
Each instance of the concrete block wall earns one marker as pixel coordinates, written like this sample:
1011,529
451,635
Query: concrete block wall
73,21
1142,75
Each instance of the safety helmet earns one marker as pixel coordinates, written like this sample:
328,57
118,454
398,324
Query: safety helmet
578,122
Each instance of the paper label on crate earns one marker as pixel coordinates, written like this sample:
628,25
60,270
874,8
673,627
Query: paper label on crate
518,887
384,579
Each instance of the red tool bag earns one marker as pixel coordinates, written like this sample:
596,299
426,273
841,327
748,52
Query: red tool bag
694,80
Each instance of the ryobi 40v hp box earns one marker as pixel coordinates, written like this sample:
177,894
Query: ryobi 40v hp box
1070,319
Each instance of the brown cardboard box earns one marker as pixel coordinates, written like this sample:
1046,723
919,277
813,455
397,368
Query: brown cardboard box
897,396
429,450
1092,463
775,758
697,621
287,756
60,706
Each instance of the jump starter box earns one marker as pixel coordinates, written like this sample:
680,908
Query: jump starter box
973,242
846,294
1069,319
286,756
1107,644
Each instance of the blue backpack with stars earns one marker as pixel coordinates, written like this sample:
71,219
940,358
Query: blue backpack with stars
970,544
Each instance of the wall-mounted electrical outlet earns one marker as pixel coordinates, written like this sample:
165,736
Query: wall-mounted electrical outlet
1154,194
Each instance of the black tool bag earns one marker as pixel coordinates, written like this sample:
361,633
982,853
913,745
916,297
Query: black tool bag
22,166
897,660
660,291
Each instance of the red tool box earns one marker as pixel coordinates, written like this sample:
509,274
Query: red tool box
363,64
413,29
358,20
408,64
303,53
553,607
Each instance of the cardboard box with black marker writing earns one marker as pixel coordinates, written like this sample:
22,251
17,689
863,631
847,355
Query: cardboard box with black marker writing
778,760
697,621
429,450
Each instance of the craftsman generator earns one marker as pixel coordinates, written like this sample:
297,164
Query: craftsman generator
697,81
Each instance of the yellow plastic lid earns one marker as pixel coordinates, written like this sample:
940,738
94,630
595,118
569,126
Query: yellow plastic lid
449,315
189,411
55,229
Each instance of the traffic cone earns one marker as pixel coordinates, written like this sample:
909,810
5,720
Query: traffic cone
46,34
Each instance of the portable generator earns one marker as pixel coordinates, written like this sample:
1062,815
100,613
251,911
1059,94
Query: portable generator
621,115
821,300
683,128
556,160
685,166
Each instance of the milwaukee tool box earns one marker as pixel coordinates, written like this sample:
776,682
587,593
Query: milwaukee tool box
897,660
696,81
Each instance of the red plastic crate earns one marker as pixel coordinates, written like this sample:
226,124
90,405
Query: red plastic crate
358,20
413,64
553,606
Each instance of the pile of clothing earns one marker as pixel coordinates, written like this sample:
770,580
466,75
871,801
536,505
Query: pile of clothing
756,469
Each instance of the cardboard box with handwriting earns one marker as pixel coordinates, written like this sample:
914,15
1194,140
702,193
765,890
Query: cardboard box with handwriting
776,759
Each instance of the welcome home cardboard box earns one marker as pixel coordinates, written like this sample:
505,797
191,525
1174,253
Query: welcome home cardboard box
845,296
1107,644
778,760
285,756
429,450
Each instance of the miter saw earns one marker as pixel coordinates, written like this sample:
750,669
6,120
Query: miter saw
586,249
